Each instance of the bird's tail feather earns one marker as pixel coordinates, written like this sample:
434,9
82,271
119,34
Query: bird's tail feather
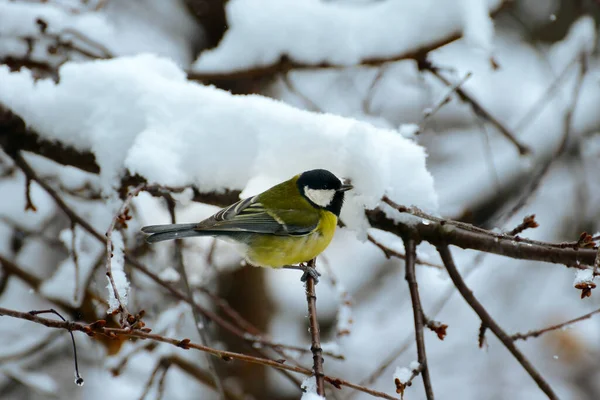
159,233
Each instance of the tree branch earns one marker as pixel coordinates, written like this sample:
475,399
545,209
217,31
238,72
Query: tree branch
478,109
411,279
538,332
286,63
315,334
99,328
489,322
440,231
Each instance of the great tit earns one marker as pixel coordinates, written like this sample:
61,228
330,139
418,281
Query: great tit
290,223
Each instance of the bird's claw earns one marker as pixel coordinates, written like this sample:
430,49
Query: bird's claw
310,271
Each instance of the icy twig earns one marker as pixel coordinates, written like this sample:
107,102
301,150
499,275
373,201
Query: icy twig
121,218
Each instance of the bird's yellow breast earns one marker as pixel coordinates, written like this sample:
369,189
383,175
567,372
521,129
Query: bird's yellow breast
277,251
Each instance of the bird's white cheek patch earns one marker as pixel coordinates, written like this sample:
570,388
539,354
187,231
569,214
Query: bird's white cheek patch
321,197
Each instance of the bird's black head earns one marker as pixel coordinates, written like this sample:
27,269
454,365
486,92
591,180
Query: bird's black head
323,189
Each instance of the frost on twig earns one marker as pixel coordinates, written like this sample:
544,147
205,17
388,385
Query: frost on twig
403,376
584,280
119,280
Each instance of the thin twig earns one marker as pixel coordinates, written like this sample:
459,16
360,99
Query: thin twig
254,336
597,263
430,112
542,102
393,253
75,256
315,334
199,374
562,146
528,223
159,367
99,327
311,105
476,106
401,386
437,308
369,380
78,379
411,279
536,333
200,320
366,103
488,321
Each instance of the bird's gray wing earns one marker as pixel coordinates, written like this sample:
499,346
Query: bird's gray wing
249,215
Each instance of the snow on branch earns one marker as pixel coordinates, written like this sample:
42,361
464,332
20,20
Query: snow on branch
340,34
142,116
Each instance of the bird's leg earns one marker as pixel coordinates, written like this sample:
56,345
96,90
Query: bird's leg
307,269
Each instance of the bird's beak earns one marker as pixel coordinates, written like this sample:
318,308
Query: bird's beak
345,188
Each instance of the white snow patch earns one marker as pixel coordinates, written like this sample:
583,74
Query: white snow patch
403,374
311,396
583,276
309,387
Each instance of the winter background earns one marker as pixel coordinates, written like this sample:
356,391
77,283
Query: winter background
239,96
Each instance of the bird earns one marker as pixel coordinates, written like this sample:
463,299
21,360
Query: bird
283,227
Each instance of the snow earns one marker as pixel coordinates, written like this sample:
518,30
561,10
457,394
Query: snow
403,374
312,396
584,277
338,33
309,387
110,108
118,274
414,365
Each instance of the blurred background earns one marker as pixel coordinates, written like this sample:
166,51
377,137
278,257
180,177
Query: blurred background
477,84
